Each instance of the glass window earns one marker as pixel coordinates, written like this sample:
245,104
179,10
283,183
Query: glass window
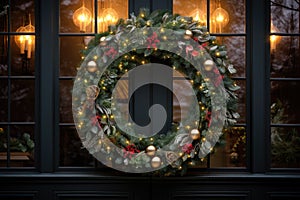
225,17
78,25
17,80
285,84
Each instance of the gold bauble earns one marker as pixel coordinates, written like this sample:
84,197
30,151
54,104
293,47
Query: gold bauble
208,65
195,134
91,66
156,162
150,150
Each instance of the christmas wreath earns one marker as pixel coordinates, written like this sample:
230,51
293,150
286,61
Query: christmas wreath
157,37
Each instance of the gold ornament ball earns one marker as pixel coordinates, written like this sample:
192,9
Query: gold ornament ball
92,66
195,134
150,150
156,162
208,65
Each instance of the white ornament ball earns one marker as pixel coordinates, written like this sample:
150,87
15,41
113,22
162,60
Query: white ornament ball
195,134
150,150
156,162
92,66
208,65
188,34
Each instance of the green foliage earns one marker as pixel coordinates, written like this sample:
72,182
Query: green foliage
285,149
20,144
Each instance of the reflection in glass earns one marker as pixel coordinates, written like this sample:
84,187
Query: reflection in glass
285,107
241,95
22,100
3,55
231,150
70,55
65,103
285,147
3,100
21,145
82,17
218,21
285,15
75,18
285,60
20,10
236,56
71,151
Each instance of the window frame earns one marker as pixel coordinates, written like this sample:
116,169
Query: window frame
257,85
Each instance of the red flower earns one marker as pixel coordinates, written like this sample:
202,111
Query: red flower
152,41
129,150
208,117
195,53
111,52
188,48
187,148
218,80
95,121
204,44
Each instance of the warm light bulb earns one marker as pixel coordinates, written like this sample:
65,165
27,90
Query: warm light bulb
220,18
199,16
273,38
82,17
26,43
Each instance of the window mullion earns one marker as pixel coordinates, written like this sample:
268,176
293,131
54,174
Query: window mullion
258,68
47,38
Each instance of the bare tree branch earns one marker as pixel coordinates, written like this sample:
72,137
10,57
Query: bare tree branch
283,6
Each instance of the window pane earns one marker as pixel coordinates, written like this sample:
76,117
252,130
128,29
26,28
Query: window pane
71,151
3,53
22,56
21,145
72,12
65,105
228,16
241,94
67,9
20,11
231,151
194,8
285,57
285,16
3,146
236,49
285,102
70,56
285,149
22,46
22,100
3,100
